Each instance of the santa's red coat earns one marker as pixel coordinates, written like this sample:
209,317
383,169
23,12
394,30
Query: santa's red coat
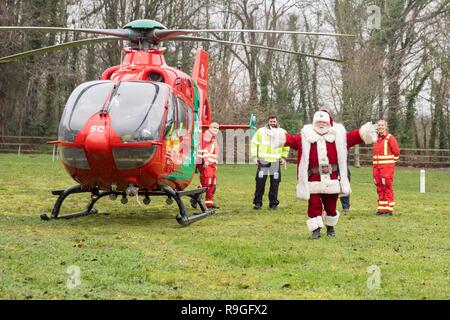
295,142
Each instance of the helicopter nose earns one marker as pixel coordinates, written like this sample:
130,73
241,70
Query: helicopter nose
96,143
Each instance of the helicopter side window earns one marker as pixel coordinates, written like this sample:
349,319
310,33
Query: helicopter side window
171,116
190,119
181,116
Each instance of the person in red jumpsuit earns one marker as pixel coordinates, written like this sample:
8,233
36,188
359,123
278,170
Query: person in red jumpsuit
322,167
385,154
208,166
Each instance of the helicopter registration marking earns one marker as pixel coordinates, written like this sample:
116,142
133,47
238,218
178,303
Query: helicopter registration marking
97,129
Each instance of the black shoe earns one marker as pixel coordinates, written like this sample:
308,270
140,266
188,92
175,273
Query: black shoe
315,234
330,231
379,213
388,214
273,208
257,207
215,206
346,211
193,203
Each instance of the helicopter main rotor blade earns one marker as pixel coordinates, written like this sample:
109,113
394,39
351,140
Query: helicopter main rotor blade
169,34
189,38
126,34
54,48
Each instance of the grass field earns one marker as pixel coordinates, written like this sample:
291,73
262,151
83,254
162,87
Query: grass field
131,251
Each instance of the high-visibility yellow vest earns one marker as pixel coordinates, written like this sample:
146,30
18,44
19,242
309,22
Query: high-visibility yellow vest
263,145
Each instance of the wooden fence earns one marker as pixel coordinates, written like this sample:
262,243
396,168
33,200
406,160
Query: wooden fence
358,156
409,157
25,144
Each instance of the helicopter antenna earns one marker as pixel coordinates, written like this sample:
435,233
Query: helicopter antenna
121,54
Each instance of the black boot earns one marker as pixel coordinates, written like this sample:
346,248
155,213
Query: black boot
330,231
315,234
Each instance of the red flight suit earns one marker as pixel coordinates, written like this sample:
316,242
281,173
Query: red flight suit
385,154
209,155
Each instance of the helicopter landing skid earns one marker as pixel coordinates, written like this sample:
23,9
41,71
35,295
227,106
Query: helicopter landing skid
63,194
196,199
182,218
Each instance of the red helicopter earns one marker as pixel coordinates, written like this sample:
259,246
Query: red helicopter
136,131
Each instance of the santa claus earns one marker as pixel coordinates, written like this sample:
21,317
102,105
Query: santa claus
322,166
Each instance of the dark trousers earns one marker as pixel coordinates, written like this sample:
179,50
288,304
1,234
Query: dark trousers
273,171
345,201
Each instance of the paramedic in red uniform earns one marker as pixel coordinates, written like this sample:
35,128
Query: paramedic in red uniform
208,166
385,155
322,167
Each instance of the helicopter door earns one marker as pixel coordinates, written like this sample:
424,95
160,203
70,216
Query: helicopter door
183,129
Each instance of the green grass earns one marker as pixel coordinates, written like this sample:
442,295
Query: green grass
141,252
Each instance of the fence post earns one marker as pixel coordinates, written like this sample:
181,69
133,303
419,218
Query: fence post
422,181
357,163
18,151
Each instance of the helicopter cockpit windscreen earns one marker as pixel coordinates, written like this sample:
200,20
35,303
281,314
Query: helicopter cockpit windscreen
87,99
137,109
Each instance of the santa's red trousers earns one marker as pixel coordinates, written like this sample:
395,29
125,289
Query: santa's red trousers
208,180
383,176
315,202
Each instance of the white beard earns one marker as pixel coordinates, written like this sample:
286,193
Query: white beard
321,131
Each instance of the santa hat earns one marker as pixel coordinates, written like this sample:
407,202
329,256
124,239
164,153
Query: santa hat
323,115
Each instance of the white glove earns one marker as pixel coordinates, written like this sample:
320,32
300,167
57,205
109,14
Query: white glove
368,133
278,140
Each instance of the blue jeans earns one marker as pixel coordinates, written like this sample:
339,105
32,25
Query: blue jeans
345,202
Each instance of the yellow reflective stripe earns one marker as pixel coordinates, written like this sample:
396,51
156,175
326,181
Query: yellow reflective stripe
385,157
383,202
263,154
385,208
209,202
391,203
386,144
384,162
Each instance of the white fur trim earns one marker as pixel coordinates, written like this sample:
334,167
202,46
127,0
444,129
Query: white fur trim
368,133
302,183
331,220
314,223
326,186
321,116
342,154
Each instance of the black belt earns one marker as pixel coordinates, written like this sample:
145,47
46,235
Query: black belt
323,169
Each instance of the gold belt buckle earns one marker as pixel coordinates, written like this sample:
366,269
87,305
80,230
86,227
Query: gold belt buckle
325,168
